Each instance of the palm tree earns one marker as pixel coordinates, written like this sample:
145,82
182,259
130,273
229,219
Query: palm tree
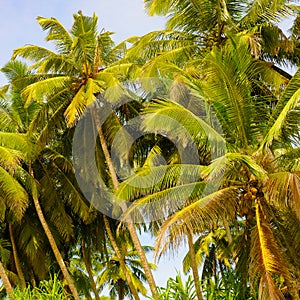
111,273
258,120
75,75
20,121
193,28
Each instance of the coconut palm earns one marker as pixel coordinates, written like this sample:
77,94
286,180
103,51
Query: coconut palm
255,186
111,274
51,166
81,69
195,27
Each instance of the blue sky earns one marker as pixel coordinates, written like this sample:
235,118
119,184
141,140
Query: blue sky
19,27
125,18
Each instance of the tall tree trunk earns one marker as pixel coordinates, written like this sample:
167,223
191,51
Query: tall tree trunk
6,281
51,240
121,289
222,273
143,258
16,257
120,257
130,225
89,270
194,265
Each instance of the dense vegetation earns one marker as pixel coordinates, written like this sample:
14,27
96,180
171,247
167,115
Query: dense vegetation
194,134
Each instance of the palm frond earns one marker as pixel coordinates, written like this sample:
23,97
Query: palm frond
279,120
33,53
159,42
266,259
84,31
14,69
4,251
182,122
57,33
283,189
71,194
10,158
260,11
54,207
76,108
16,196
41,90
200,216
16,141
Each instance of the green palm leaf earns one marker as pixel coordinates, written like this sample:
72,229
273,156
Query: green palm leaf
57,33
41,90
15,195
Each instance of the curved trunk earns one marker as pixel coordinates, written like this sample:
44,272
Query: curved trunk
194,265
130,225
51,240
16,257
120,257
6,281
89,270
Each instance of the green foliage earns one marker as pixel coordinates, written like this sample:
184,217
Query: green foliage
227,288
178,289
217,56
51,289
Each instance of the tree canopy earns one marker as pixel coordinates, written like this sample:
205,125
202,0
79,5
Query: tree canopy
190,134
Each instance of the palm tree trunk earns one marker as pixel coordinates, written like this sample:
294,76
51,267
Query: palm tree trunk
89,270
194,265
130,225
16,257
6,281
51,240
143,258
222,273
120,257
121,291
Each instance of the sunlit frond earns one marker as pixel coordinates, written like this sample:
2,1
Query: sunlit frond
16,141
266,259
199,215
155,43
288,102
9,158
41,90
15,195
283,189
259,11
183,123
57,33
